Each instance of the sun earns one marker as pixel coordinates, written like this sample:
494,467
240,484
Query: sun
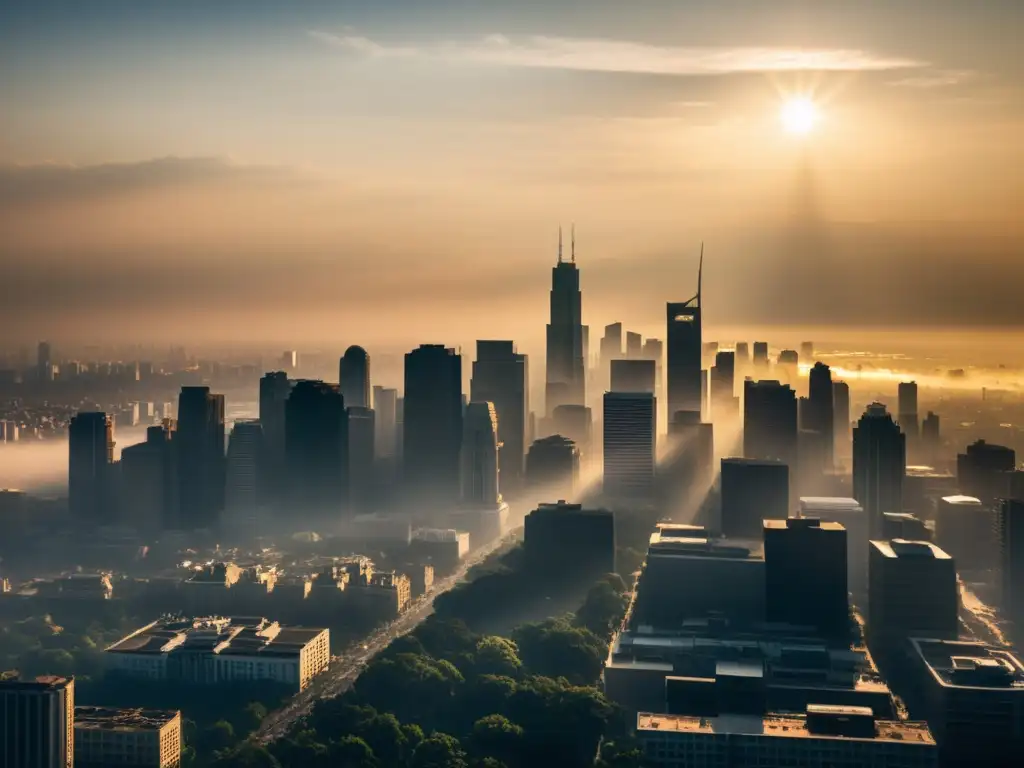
799,116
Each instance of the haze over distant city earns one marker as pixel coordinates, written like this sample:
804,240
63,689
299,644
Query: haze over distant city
266,171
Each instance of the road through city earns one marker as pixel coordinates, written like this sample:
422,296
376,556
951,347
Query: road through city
345,668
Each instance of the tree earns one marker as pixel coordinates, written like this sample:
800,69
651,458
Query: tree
247,755
497,736
556,648
497,656
603,609
253,715
439,750
220,735
383,733
352,752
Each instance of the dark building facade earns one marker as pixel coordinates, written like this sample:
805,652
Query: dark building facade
906,410
502,376
553,466
361,453
37,721
354,378
770,423
819,415
684,352
566,367
879,465
432,429
1009,540
90,458
274,391
630,444
805,574
633,375
149,480
981,470
570,543
317,449
842,420
753,490
201,461
722,384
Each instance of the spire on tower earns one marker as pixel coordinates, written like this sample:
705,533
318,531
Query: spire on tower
573,248
559,243
700,270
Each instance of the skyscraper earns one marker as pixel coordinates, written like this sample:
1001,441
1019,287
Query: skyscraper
37,722
502,376
1009,538
841,419
316,446
90,456
361,453
44,362
566,369
243,493
630,430
722,383
684,351
354,378
149,480
274,391
820,410
611,344
385,406
479,455
981,470
633,376
879,463
770,428
432,431
907,410
553,466
201,467
753,490
634,345
761,354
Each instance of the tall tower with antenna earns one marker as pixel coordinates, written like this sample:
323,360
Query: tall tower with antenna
566,372
684,342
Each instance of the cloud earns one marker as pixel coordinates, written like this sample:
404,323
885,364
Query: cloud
28,184
622,56
934,79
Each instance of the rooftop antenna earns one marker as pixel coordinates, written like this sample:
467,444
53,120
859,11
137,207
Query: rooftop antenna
559,243
700,270
573,251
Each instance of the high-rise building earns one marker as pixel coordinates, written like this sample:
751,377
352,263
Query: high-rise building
90,456
742,353
841,416
479,455
274,390
361,453
687,471
807,351
722,386
611,344
819,413
1009,539
849,514
963,528
770,424
201,466
761,354
630,434
37,720
149,480
931,436
633,376
981,471
569,542
354,378
906,412
316,446
634,345
566,367
44,362
553,467
879,464
432,430
575,422
385,407
684,350
805,574
244,491
502,376
753,490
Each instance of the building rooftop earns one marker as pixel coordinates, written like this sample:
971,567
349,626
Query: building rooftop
110,719
903,548
564,507
700,545
41,683
964,664
798,523
962,501
830,503
742,462
240,635
787,726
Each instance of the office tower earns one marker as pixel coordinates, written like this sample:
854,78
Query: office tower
361,453
879,463
789,365
149,480
502,376
770,425
841,418
566,368
849,514
981,471
479,455
742,353
200,446
44,362
611,344
90,456
574,422
654,350
634,345
708,351
316,447
722,385
903,525
630,433
290,360
688,467
912,593
752,491
244,491
820,410
570,544
761,354
963,528
807,351
684,351
432,431
1008,533
385,407
805,574
553,467
274,391
354,378
907,409
633,376
37,720
931,437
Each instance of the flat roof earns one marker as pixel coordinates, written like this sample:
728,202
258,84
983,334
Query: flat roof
971,665
902,548
801,523
830,503
960,500
41,683
111,719
782,726
237,636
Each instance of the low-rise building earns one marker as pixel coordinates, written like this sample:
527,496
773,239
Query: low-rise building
36,722
218,650
134,738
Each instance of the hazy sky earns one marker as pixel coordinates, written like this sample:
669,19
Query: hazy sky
392,169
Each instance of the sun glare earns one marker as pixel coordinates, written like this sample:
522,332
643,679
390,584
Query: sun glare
799,116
